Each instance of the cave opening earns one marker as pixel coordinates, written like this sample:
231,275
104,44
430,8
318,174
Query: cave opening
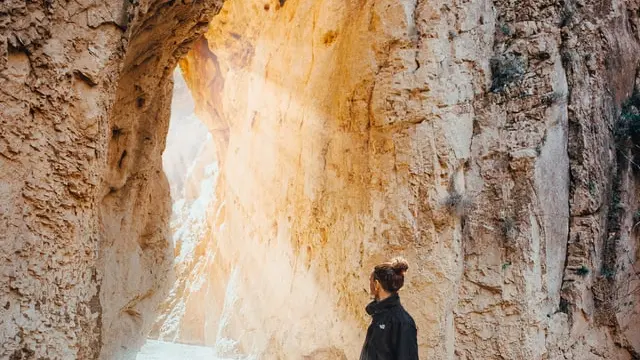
259,248
191,167
254,262
271,202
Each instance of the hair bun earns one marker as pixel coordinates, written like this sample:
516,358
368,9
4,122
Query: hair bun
399,265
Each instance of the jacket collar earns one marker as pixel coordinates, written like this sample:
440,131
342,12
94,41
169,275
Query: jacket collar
378,307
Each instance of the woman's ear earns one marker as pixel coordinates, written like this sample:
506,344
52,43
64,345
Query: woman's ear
378,286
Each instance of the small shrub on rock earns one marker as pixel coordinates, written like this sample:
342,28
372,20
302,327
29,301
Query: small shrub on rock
506,69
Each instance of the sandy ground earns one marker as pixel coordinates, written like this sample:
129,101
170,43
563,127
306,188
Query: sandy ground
160,350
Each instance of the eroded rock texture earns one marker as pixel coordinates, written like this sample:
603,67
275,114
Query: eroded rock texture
84,109
491,143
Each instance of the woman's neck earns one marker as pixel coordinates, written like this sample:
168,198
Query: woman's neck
383,295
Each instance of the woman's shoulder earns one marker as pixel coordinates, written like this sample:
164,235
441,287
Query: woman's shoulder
402,317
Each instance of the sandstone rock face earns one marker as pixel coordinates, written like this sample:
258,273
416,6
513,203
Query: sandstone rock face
490,143
84,109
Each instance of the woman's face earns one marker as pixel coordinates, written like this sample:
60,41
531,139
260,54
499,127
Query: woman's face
374,287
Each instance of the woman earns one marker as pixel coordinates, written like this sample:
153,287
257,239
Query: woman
392,334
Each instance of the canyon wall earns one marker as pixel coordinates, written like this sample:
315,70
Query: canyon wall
84,109
490,143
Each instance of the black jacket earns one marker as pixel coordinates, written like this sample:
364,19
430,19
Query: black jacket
392,334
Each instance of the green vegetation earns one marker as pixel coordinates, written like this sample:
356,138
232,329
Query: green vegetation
608,273
457,203
629,123
592,188
582,271
506,69
507,226
505,29
555,97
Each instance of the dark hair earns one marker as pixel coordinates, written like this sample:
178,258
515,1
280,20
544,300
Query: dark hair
391,274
